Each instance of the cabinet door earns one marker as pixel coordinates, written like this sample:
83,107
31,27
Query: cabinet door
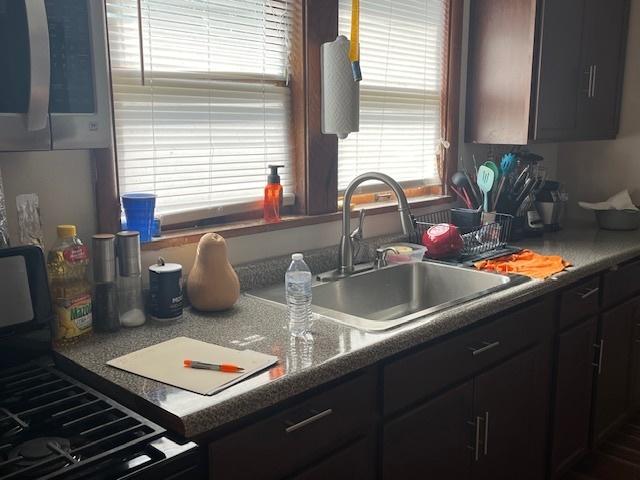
613,368
573,392
432,441
559,70
354,462
513,402
635,357
604,41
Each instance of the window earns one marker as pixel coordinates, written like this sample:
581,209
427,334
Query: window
403,60
201,101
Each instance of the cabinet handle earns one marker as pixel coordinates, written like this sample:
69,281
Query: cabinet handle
486,433
476,446
487,346
593,82
308,421
584,294
39,65
588,71
600,347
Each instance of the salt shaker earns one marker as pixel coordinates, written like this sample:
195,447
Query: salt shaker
130,297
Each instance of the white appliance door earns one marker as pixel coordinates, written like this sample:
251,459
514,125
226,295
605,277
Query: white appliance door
24,78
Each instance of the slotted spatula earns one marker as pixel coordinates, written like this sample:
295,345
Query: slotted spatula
486,177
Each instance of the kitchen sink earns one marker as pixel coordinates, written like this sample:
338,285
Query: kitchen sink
391,296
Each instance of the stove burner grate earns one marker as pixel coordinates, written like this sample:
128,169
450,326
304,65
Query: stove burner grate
51,424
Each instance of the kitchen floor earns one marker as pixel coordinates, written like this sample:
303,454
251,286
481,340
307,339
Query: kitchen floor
618,458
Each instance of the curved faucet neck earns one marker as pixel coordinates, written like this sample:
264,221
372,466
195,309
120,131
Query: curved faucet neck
406,220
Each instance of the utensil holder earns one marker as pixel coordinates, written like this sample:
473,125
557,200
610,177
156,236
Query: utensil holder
466,219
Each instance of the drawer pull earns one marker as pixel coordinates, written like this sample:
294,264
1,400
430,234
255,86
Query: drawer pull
476,446
600,347
584,294
308,421
487,346
486,433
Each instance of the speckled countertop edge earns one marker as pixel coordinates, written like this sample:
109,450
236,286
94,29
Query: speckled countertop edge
589,250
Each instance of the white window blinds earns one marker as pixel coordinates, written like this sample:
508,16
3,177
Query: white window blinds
201,99
402,57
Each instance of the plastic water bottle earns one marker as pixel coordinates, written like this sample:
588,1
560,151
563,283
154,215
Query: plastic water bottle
298,287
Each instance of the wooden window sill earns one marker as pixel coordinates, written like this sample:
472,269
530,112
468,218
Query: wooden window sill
189,236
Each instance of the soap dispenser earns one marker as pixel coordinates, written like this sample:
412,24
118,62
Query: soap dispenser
273,195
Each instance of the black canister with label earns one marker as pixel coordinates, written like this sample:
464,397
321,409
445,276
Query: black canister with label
165,291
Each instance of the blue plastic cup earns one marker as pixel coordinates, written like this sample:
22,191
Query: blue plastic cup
139,209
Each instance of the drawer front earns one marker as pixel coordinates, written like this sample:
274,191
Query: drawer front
579,302
293,438
621,283
421,374
355,462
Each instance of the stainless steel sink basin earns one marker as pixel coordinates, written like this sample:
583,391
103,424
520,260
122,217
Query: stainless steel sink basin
388,297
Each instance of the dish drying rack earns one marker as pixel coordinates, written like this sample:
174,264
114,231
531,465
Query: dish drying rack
481,240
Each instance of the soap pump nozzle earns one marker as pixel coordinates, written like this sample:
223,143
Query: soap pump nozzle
274,176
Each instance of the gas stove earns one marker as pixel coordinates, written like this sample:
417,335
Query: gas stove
53,426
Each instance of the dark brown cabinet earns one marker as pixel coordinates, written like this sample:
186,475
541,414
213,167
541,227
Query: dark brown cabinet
296,437
511,404
603,64
545,70
354,462
560,80
635,358
573,392
492,427
613,364
434,438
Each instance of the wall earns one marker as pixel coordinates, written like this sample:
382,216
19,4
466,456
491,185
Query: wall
63,181
593,171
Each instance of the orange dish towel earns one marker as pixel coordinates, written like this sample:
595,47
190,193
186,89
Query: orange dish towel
527,263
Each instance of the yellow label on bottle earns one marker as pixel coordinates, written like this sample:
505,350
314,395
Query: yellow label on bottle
74,317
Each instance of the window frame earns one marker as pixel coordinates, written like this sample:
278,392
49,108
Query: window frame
315,155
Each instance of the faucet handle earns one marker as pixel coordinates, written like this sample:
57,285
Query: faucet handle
358,233
381,256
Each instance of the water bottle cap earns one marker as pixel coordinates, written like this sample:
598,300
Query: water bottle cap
297,256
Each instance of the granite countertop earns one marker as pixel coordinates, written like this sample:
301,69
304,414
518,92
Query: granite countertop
334,351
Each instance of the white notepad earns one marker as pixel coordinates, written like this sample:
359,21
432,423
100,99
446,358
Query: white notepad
164,362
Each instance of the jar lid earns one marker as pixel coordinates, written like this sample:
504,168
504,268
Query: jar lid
166,268
128,247
64,231
104,257
162,267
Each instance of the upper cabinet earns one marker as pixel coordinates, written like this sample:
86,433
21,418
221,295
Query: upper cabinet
546,70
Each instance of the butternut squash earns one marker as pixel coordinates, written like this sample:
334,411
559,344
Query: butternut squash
212,284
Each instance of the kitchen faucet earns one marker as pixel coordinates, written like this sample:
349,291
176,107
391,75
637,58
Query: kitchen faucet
345,254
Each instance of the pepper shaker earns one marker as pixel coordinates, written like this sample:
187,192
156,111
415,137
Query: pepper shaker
106,317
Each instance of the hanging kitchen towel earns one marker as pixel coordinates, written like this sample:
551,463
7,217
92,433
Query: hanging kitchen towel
527,263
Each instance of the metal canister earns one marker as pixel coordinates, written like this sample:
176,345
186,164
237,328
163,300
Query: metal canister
129,253
106,317
165,291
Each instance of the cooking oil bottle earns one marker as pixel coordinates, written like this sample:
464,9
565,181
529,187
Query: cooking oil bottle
67,265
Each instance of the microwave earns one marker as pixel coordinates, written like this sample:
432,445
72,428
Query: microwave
54,77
